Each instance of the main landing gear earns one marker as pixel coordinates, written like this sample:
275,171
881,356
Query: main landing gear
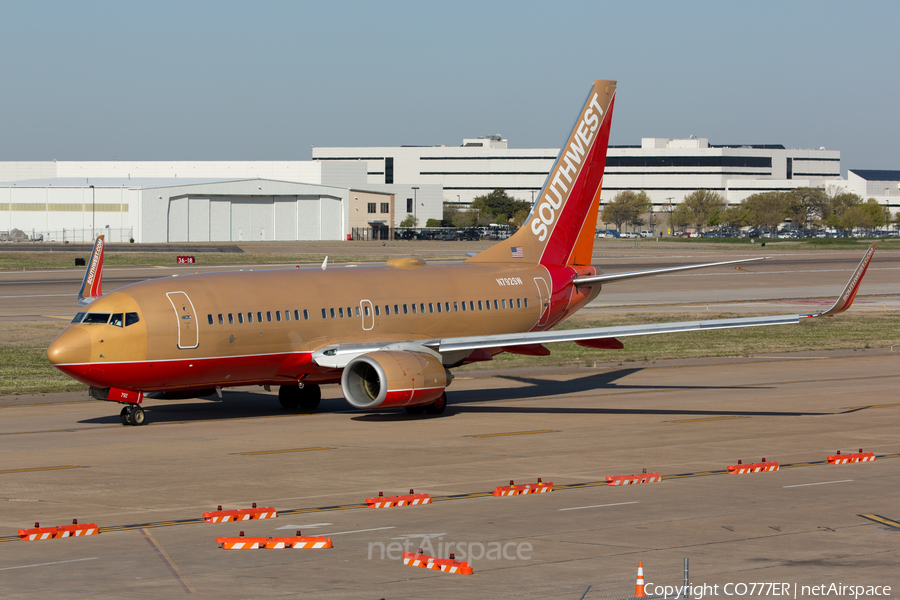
306,397
435,408
132,414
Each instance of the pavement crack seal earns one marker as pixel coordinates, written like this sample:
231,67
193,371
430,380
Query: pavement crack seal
168,562
318,509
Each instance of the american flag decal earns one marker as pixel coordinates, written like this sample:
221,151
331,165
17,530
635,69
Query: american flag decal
517,252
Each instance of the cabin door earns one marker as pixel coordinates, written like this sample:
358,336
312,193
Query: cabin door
367,314
544,294
188,334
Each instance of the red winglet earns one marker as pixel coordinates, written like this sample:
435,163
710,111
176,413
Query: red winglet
847,296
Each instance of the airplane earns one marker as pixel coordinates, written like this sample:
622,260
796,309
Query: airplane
389,334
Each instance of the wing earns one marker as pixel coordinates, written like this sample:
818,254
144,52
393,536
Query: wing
594,280
338,355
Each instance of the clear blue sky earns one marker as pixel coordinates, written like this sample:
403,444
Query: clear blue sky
196,80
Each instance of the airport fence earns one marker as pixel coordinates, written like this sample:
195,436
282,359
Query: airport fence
115,235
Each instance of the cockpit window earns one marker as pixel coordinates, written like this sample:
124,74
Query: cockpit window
117,320
131,319
93,318
78,317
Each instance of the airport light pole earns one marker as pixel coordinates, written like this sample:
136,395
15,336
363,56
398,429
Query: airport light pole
415,190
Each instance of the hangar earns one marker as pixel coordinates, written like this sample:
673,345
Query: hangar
183,210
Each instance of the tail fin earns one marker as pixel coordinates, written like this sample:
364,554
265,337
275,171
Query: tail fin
560,228
92,285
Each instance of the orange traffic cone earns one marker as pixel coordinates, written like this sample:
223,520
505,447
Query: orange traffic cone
639,588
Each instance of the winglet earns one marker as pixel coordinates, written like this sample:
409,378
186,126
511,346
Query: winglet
92,286
847,296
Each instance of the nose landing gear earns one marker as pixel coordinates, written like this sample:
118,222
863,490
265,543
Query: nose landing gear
132,414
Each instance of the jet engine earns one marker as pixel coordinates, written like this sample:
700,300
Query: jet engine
392,378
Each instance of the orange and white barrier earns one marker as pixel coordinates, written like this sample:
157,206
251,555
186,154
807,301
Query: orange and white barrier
634,479
240,514
843,459
275,543
410,499
639,586
47,533
445,565
528,488
760,467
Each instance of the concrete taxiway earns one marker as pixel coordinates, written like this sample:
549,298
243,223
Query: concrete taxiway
147,487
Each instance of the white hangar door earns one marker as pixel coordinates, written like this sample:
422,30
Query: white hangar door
285,218
252,219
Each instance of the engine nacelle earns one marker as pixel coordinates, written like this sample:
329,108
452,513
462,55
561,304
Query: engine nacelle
393,378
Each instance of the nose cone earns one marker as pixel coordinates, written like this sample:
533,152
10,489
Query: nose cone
72,346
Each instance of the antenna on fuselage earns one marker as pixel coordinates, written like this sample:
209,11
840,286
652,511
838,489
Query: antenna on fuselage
325,263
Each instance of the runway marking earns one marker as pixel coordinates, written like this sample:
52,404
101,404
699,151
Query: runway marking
359,531
57,317
707,419
42,469
310,526
38,296
484,435
168,562
471,495
599,505
872,406
818,483
59,562
282,451
882,520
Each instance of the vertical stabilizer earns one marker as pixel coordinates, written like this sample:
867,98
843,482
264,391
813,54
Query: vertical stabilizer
92,285
560,228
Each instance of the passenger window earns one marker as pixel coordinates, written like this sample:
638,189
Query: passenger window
332,312
525,302
117,320
221,320
287,315
405,309
240,317
278,315
447,306
430,307
269,316
250,317
471,305
357,311
422,308
518,303
230,319
366,310
464,306
297,315
439,306
341,312
479,305
306,314
80,316
259,316
414,308
350,311
504,303
487,303
324,314
132,318
208,316
396,310
496,305
96,318
387,309
377,311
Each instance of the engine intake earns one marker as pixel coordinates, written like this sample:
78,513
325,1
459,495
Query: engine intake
389,379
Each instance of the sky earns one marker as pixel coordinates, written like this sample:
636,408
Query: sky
198,80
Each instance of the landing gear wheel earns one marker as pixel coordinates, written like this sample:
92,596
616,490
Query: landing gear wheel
307,397
136,415
125,416
415,410
438,406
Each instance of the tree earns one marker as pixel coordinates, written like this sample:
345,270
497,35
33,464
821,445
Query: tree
409,221
702,204
813,200
500,205
519,218
764,209
626,207
837,206
434,223
681,217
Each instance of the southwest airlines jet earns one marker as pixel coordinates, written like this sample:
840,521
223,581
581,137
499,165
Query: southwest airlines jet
388,334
